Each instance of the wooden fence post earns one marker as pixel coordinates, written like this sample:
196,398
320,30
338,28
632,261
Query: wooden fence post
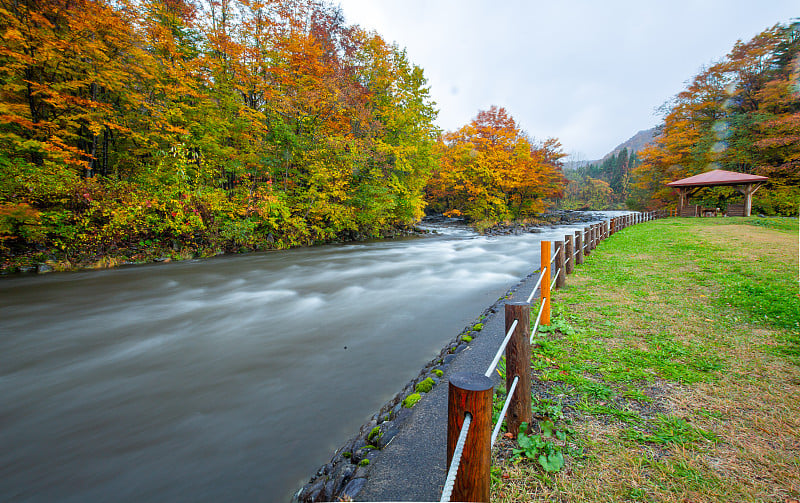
569,248
518,364
587,240
559,265
471,393
545,287
579,247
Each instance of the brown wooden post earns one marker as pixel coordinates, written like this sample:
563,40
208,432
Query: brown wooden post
587,240
595,232
569,249
518,364
545,288
613,226
579,247
558,267
471,394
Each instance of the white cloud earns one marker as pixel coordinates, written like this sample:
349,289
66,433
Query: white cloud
590,73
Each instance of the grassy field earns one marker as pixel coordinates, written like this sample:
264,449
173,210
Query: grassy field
670,371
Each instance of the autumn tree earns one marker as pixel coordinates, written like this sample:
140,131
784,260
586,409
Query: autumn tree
490,170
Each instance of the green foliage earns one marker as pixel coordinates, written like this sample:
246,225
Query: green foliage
466,338
363,462
438,373
542,448
411,400
374,434
425,386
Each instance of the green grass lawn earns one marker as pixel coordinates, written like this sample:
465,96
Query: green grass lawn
671,370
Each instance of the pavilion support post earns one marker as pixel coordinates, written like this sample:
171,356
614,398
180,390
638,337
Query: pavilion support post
748,190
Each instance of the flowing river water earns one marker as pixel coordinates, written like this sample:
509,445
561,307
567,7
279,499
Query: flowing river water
227,379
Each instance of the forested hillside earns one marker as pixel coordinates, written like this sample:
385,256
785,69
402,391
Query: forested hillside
133,127
601,185
741,114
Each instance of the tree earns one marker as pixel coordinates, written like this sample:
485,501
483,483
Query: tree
490,170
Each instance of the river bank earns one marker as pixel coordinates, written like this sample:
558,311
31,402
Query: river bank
42,261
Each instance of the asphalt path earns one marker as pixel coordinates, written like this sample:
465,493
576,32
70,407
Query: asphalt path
412,467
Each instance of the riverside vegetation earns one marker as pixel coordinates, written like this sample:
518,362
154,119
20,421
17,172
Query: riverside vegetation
670,371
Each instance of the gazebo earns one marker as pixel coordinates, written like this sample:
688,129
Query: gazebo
744,183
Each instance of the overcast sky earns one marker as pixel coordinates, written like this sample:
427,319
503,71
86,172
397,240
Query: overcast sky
590,73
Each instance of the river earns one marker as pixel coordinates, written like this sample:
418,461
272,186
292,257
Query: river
226,379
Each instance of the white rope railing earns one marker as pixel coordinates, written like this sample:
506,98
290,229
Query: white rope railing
504,410
554,258
450,481
538,318
502,349
538,283
566,261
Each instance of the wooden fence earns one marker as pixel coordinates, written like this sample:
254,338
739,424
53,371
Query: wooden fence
469,423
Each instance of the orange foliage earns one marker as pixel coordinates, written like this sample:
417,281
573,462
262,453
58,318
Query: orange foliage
490,170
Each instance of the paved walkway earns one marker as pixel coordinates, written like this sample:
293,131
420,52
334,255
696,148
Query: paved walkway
412,467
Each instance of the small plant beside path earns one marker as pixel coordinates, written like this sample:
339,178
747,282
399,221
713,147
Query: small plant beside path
670,372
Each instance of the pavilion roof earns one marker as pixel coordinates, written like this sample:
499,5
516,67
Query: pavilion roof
718,177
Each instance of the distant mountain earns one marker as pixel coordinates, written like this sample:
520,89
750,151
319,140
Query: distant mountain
634,144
